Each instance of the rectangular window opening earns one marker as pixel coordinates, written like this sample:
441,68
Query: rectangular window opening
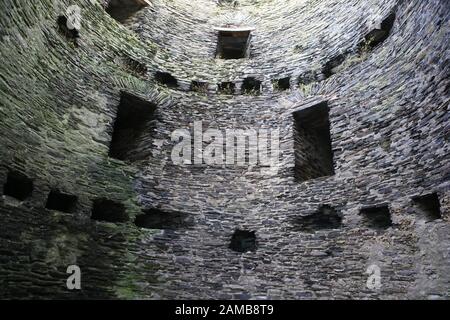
233,44
312,143
132,123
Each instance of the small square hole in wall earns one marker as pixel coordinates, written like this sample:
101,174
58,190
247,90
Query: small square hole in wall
282,84
109,211
133,117
307,78
137,68
122,10
226,88
427,206
378,36
63,26
243,241
18,186
200,87
251,86
331,66
233,44
166,79
61,202
377,217
158,219
326,218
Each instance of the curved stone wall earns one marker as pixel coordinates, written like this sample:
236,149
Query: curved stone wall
388,127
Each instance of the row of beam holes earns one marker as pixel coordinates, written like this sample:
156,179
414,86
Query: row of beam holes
227,49
250,86
426,208
20,187
232,45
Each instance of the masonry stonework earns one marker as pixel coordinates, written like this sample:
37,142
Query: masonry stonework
388,125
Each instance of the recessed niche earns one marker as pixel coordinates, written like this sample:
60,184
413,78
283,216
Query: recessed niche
226,88
233,44
18,186
377,217
282,84
166,79
137,68
330,67
312,143
427,206
61,202
133,117
197,86
378,36
108,211
307,78
251,86
158,219
325,218
63,27
122,10
243,241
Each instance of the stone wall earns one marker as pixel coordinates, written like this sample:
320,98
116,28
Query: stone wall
388,116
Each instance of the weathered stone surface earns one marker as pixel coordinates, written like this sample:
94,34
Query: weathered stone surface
389,122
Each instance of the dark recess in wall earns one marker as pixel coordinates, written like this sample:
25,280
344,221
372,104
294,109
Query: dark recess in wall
282,84
377,36
377,217
166,79
122,10
233,44
61,202
307,78
373,39
312,143
328,69
108,211
243,241
18,186
198,86
325,218
427,206
139,69
251,86
158,219
226,87
133,117
71,34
